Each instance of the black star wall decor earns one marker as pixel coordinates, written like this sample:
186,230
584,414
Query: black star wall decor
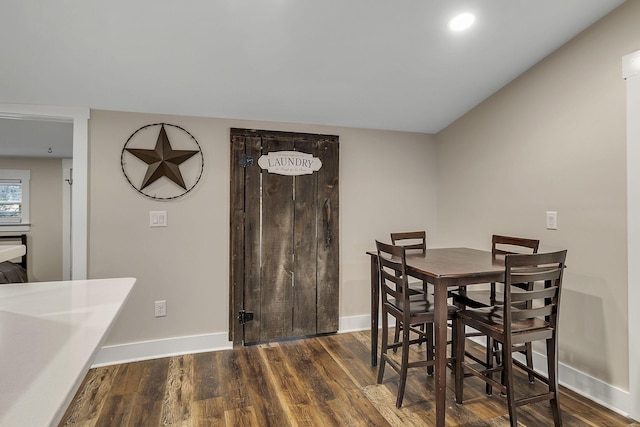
162,161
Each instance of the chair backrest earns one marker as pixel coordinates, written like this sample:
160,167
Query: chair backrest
411,240
530,307
392,266
505,245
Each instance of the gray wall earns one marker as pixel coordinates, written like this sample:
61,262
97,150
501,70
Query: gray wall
555,140
187,263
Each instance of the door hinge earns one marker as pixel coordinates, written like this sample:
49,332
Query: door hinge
246,160
244,316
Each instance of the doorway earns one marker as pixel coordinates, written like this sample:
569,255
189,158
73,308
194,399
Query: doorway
79,117
284,244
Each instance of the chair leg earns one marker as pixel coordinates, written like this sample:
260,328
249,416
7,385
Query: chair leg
490,345
552,367
396,335
507,368
454,344
399,328
459,359
500,356
429,333
384,346
403,366
529,357
497,352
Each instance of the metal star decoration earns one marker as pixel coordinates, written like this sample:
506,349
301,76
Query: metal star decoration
163,161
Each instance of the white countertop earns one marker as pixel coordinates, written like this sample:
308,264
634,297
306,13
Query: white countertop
8,252
50,333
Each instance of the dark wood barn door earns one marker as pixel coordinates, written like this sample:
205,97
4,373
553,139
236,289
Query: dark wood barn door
284,239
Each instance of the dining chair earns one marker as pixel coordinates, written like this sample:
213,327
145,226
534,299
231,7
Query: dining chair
407,309
526,315
415,242
411,240
500,247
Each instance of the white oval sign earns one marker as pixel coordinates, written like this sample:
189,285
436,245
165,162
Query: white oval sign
290,163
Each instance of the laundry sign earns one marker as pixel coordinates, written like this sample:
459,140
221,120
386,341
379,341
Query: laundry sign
290,163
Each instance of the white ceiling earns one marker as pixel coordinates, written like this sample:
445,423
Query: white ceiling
377,64
35,138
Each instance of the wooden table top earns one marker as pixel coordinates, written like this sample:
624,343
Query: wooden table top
456,265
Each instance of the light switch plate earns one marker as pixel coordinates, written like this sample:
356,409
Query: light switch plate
157,218
552,220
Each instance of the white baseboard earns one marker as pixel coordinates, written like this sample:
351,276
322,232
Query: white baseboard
354,323
584,384
597,390
154,349
594,389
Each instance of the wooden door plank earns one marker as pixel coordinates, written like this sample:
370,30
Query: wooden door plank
236,241
252,240
328,309
277,243
305,247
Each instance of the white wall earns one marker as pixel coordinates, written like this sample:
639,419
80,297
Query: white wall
554,140
187,263
631,72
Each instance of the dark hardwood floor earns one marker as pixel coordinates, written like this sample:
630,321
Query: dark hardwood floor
322,381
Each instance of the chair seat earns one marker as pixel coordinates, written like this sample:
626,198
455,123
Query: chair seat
416,288
474,299
493,319
421,305
478,299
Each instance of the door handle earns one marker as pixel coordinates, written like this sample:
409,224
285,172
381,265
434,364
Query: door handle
293,277
327,223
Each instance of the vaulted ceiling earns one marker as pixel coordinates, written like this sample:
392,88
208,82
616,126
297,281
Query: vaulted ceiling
376,64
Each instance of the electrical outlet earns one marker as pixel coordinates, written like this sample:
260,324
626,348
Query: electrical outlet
161,308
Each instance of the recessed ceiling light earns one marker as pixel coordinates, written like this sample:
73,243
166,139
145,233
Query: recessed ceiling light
462,22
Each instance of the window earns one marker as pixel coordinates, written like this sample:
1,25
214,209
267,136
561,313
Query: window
14,200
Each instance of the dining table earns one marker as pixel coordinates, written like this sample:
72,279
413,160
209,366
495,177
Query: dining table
443,268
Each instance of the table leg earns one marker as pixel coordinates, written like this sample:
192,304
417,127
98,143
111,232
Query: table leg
375,298
440,329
